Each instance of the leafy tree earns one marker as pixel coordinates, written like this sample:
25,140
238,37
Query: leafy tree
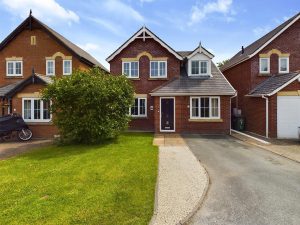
220,64
90,106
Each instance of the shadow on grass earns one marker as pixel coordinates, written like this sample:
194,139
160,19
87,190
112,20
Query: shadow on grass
65,151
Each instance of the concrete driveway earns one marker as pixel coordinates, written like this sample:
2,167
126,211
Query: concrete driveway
248,185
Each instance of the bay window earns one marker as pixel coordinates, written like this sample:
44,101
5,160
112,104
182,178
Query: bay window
36,110
158,69
130,69
205,107
139,108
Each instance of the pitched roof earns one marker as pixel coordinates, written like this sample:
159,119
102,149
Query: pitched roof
184,85
188,54
274,84
80,53
259,44
11,89
143,33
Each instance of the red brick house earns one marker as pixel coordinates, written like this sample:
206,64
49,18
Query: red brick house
34,45
175,91
266,75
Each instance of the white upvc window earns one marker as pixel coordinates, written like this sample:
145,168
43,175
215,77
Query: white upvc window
131,69
199,67
67,67
283,64
36,110
158,69
139,108
50,67
264,65
205,107
14,68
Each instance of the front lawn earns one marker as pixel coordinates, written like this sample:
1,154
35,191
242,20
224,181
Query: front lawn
113,183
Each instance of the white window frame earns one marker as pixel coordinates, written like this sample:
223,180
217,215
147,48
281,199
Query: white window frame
199,109
166,69
50,74
32,111
287,64
199,65
139,115
264,72
129,75
14,68
67,60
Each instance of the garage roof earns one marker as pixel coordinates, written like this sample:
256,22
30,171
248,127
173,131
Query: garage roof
274,84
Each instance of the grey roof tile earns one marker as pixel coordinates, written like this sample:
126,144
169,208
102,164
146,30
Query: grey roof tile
273,83
6,89
184,85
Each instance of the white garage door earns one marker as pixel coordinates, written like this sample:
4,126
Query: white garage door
288,116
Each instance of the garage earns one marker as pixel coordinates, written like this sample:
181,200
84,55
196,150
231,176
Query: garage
288,116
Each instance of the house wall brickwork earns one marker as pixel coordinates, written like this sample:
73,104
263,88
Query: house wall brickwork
245,76
34,56
144,84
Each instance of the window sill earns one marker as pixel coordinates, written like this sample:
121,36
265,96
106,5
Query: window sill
39,123
206,120
133,78
139,117
14,77
264,74
158,78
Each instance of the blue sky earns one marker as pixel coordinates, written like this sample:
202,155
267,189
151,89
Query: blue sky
100,27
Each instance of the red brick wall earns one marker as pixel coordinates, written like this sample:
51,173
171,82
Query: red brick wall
245,76
34,55
182,115
144,85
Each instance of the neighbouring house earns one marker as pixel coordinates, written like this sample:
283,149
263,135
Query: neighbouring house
266,75
29,57
175,91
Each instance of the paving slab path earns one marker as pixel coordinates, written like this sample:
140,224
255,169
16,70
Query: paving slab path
248,185
182,181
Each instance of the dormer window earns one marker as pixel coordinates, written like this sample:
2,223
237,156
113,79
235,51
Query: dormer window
283,64
199,67
158,69
264,65
131,69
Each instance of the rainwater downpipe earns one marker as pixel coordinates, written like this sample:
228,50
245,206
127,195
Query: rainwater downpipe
235,94
267,115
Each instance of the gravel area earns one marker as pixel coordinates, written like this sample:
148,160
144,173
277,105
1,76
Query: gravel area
182,184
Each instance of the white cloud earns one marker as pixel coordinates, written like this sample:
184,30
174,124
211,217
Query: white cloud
48,10
122,10
145,1
200,12
89,47
260,31
113,27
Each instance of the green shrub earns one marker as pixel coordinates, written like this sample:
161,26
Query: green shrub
90,106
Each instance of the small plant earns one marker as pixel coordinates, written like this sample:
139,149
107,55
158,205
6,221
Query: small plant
90,106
